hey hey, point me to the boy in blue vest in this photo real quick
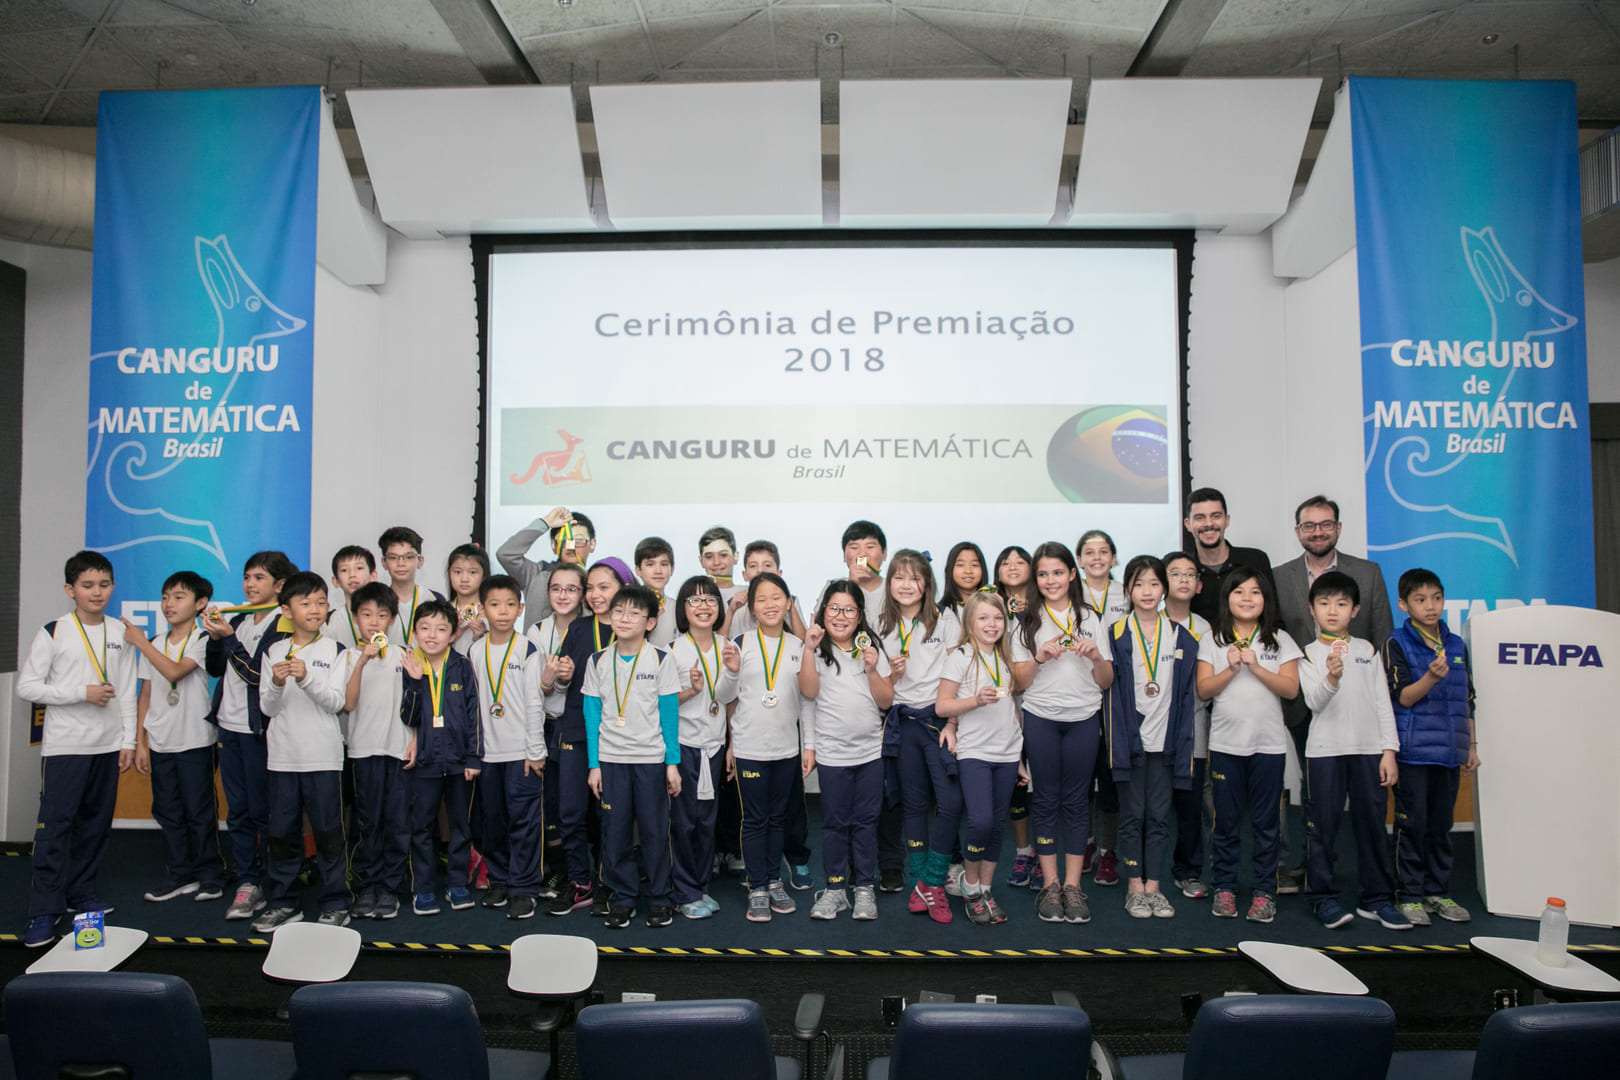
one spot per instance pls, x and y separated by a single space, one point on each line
1431 685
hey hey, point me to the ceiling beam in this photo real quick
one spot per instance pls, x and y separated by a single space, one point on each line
1180 29
487 41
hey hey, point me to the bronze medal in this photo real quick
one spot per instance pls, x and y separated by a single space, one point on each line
1151 689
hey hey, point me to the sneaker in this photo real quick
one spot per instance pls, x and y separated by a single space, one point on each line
1192 888
573 897
917 899
1049 904
249 902
1388 916
425 903
891 880
711 903
1225 905
477 869
333 917
1445 907
618 917
1331 914
460 897
997 915
521 907
829 902
759 906
954 876
1288 882
1019 878
495 896
170 890
1075 909
935 900
799 877
978 912
41 931
1160 904
1262 909
1089 858
210 890
274 918
601 901
553 882
866 903
1137 905
660 916
365 905
1415 914
696 909
781 902
735 864
1107 869
1037 880
387 906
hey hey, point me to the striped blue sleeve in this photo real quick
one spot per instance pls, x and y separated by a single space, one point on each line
593 728
669 722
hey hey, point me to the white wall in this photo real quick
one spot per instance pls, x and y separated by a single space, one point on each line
1603 330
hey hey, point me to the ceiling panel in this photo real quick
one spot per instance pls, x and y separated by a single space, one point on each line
601 56
934 39
107 66
1126 14
46 54
21 16
528 19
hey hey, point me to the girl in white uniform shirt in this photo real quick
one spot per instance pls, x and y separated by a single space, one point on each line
1248 667
1104 596
1014 581
565 592
917 635
982 728
1058 665
844 681
708 664
1181 585
464 575
964 575
764 750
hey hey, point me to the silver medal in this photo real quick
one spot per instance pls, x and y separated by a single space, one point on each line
174 695
714 708
768 699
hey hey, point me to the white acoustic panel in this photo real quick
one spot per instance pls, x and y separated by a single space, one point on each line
466 160
710 155
1191 153
950 152
349 240
1321 225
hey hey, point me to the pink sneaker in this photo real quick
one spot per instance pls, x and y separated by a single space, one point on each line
1107 869
934 901
917 903
1088 859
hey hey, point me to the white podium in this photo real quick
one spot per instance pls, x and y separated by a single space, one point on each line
1547 794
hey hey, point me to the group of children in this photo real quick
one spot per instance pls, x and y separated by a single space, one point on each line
534 716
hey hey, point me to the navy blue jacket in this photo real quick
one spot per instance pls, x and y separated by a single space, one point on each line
227 654
460 743
579 645
1122 738
1435 730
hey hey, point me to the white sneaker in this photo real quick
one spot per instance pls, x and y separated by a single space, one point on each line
829 902
249 902
954 878
865 902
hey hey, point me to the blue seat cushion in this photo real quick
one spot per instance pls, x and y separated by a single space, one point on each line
252 1059
1152 1067
518 1065
1432 1065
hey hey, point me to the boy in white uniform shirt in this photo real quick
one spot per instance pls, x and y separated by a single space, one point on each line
176 741
401 549
300 694
1187 860
352 568
632 742
513 779
86 679
380 746
655 565
1350 752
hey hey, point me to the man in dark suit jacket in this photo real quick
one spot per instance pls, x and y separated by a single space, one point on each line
1206 523
1316 523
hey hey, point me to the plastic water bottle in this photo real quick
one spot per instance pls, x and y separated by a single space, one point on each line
1552 947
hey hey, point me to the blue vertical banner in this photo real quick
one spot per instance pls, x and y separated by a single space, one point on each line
201 337
1473 340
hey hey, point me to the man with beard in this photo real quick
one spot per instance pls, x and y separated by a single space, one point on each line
1206 521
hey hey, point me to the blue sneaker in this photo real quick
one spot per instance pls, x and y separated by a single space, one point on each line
1331 914
1388 916
697 909
460 897
711 903
799 876
425 903
41 931
1019 878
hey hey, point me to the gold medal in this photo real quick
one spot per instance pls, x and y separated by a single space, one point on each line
497 710
714 708
863 641
380 640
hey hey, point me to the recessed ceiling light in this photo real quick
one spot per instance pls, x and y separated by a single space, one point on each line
565 4
1490 39
833 38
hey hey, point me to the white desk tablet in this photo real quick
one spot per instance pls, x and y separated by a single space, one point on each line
552 965
1304 970
1520 955
305 952
119 944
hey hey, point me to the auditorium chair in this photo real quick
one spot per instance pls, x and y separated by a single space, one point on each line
399 1031
1535 1041
934 1041
119 1025
687 1040
1276 1037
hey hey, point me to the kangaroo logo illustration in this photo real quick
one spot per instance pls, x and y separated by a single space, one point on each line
567 467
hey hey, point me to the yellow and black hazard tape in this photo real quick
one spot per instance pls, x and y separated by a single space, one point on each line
642 951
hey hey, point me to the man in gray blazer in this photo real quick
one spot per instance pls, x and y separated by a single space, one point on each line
1316 524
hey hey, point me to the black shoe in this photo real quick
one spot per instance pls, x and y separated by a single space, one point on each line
573 897
601 902
619 917
658 916
494 897
521 907
890 880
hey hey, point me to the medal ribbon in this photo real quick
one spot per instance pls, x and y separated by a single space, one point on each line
354 631
1102 605
905 638
435 682
405 631
770 668
101 664
251 608
1150 657
707 678
1243 642
1066 626
1438 644
173 686
496 685
1189 624
995 676
629 683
